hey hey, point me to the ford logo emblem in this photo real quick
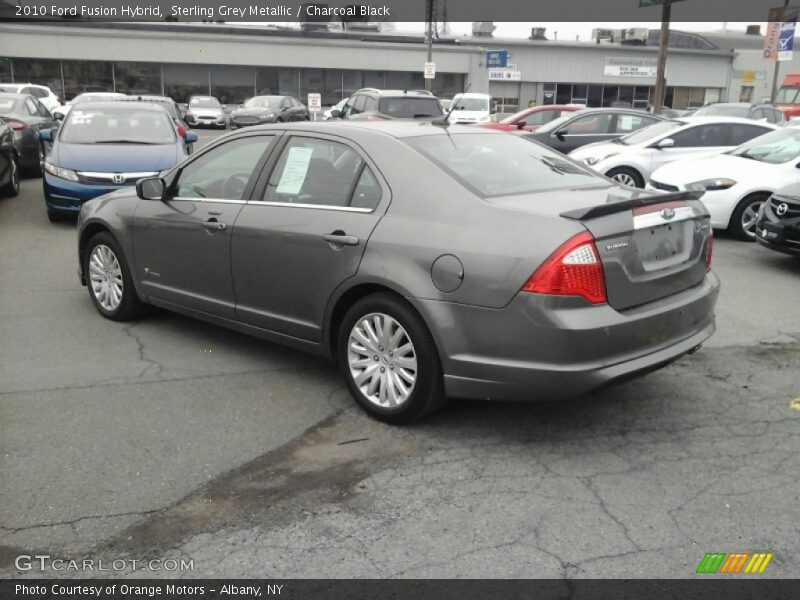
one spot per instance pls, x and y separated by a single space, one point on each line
668 213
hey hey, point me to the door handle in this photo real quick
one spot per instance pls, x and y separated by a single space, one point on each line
339 238
214 225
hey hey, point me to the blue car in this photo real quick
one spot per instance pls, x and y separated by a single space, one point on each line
103 146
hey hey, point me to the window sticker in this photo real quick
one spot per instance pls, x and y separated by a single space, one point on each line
294 171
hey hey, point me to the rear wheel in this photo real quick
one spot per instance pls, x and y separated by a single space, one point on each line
12 187
743 220
109 279
626 176
389 360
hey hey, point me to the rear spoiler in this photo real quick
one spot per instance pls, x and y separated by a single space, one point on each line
619 204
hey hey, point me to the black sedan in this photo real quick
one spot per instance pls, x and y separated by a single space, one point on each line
268 109
26 116
582 127
9 170
778 225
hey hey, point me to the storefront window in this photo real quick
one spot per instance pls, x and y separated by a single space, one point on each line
610 94
396 80
447 85
181 82
137 78
595 98
641 97
232 85
564 93
43 72
625 96
84 76
580 94
549 93
327 82
5 69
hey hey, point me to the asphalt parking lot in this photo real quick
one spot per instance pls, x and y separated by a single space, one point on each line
173 438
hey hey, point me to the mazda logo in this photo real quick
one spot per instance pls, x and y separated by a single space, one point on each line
668 213
782 209
117 178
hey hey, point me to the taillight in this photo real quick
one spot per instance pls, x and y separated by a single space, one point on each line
181 131
16 125
574 269
709 249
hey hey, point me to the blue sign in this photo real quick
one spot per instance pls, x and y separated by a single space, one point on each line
497 59
786 40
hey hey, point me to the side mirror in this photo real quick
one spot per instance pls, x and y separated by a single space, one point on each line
151 188
191 137
46 135
561 133
336 113
58 116
665 143
521 125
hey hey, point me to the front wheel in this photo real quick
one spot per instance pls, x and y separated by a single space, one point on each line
389 360
626 176
109 279
745 215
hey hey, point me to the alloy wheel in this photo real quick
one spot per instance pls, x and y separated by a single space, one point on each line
624 179
750 216
105 274
382 360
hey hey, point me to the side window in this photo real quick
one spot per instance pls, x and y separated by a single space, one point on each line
598 123
222 173
370 104
630 123
739 133
315 171
360 103
38 92
31 108
349 106
42 110
540 117
286 103
758 113
700 136
367 192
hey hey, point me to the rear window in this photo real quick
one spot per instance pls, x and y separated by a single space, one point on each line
722 111
410 108
7 106
503 165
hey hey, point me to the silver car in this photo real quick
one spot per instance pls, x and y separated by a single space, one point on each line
428 260
631 159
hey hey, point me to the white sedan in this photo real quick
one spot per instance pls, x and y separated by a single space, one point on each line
738 182
62 111
631 159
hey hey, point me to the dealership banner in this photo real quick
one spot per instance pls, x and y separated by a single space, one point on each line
377 10
630 67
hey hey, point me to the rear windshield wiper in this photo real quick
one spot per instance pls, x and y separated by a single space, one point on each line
125 142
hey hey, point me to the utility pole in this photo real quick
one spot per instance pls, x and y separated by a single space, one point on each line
777 62
663 44
429 36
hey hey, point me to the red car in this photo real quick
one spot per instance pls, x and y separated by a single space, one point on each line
532 118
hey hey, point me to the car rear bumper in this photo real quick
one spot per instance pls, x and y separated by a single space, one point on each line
65 196
553 348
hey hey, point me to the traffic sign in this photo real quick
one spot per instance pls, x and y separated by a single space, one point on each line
496 59
430 70
315 102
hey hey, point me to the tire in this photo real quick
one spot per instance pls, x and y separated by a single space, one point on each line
101 252
744 214
626 176
421 378
11 188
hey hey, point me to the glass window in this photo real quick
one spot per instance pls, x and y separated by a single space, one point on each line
412 107
223 172
697 97
610 94
786 95
629 123
86 124
81 76
203 102
367 192
702 135
352 81
564 93
595 98
549 93
39 71
775 147
31 108
183 81
503 165
396 80
314 171
447 84
5 69
625 96
739 133
723 110
641 97
232 84
41 110
648 133
370 104
137 78
591 124
36 92
580 94
326 82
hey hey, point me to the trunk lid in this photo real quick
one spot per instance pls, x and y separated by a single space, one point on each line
651 245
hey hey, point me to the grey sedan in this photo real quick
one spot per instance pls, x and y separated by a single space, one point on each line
428 261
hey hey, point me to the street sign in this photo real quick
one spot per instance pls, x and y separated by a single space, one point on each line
504 75
430 70
314 102
496 59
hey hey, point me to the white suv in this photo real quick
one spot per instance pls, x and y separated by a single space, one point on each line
41 92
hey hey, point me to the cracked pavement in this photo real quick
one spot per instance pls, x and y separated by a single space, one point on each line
168 437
